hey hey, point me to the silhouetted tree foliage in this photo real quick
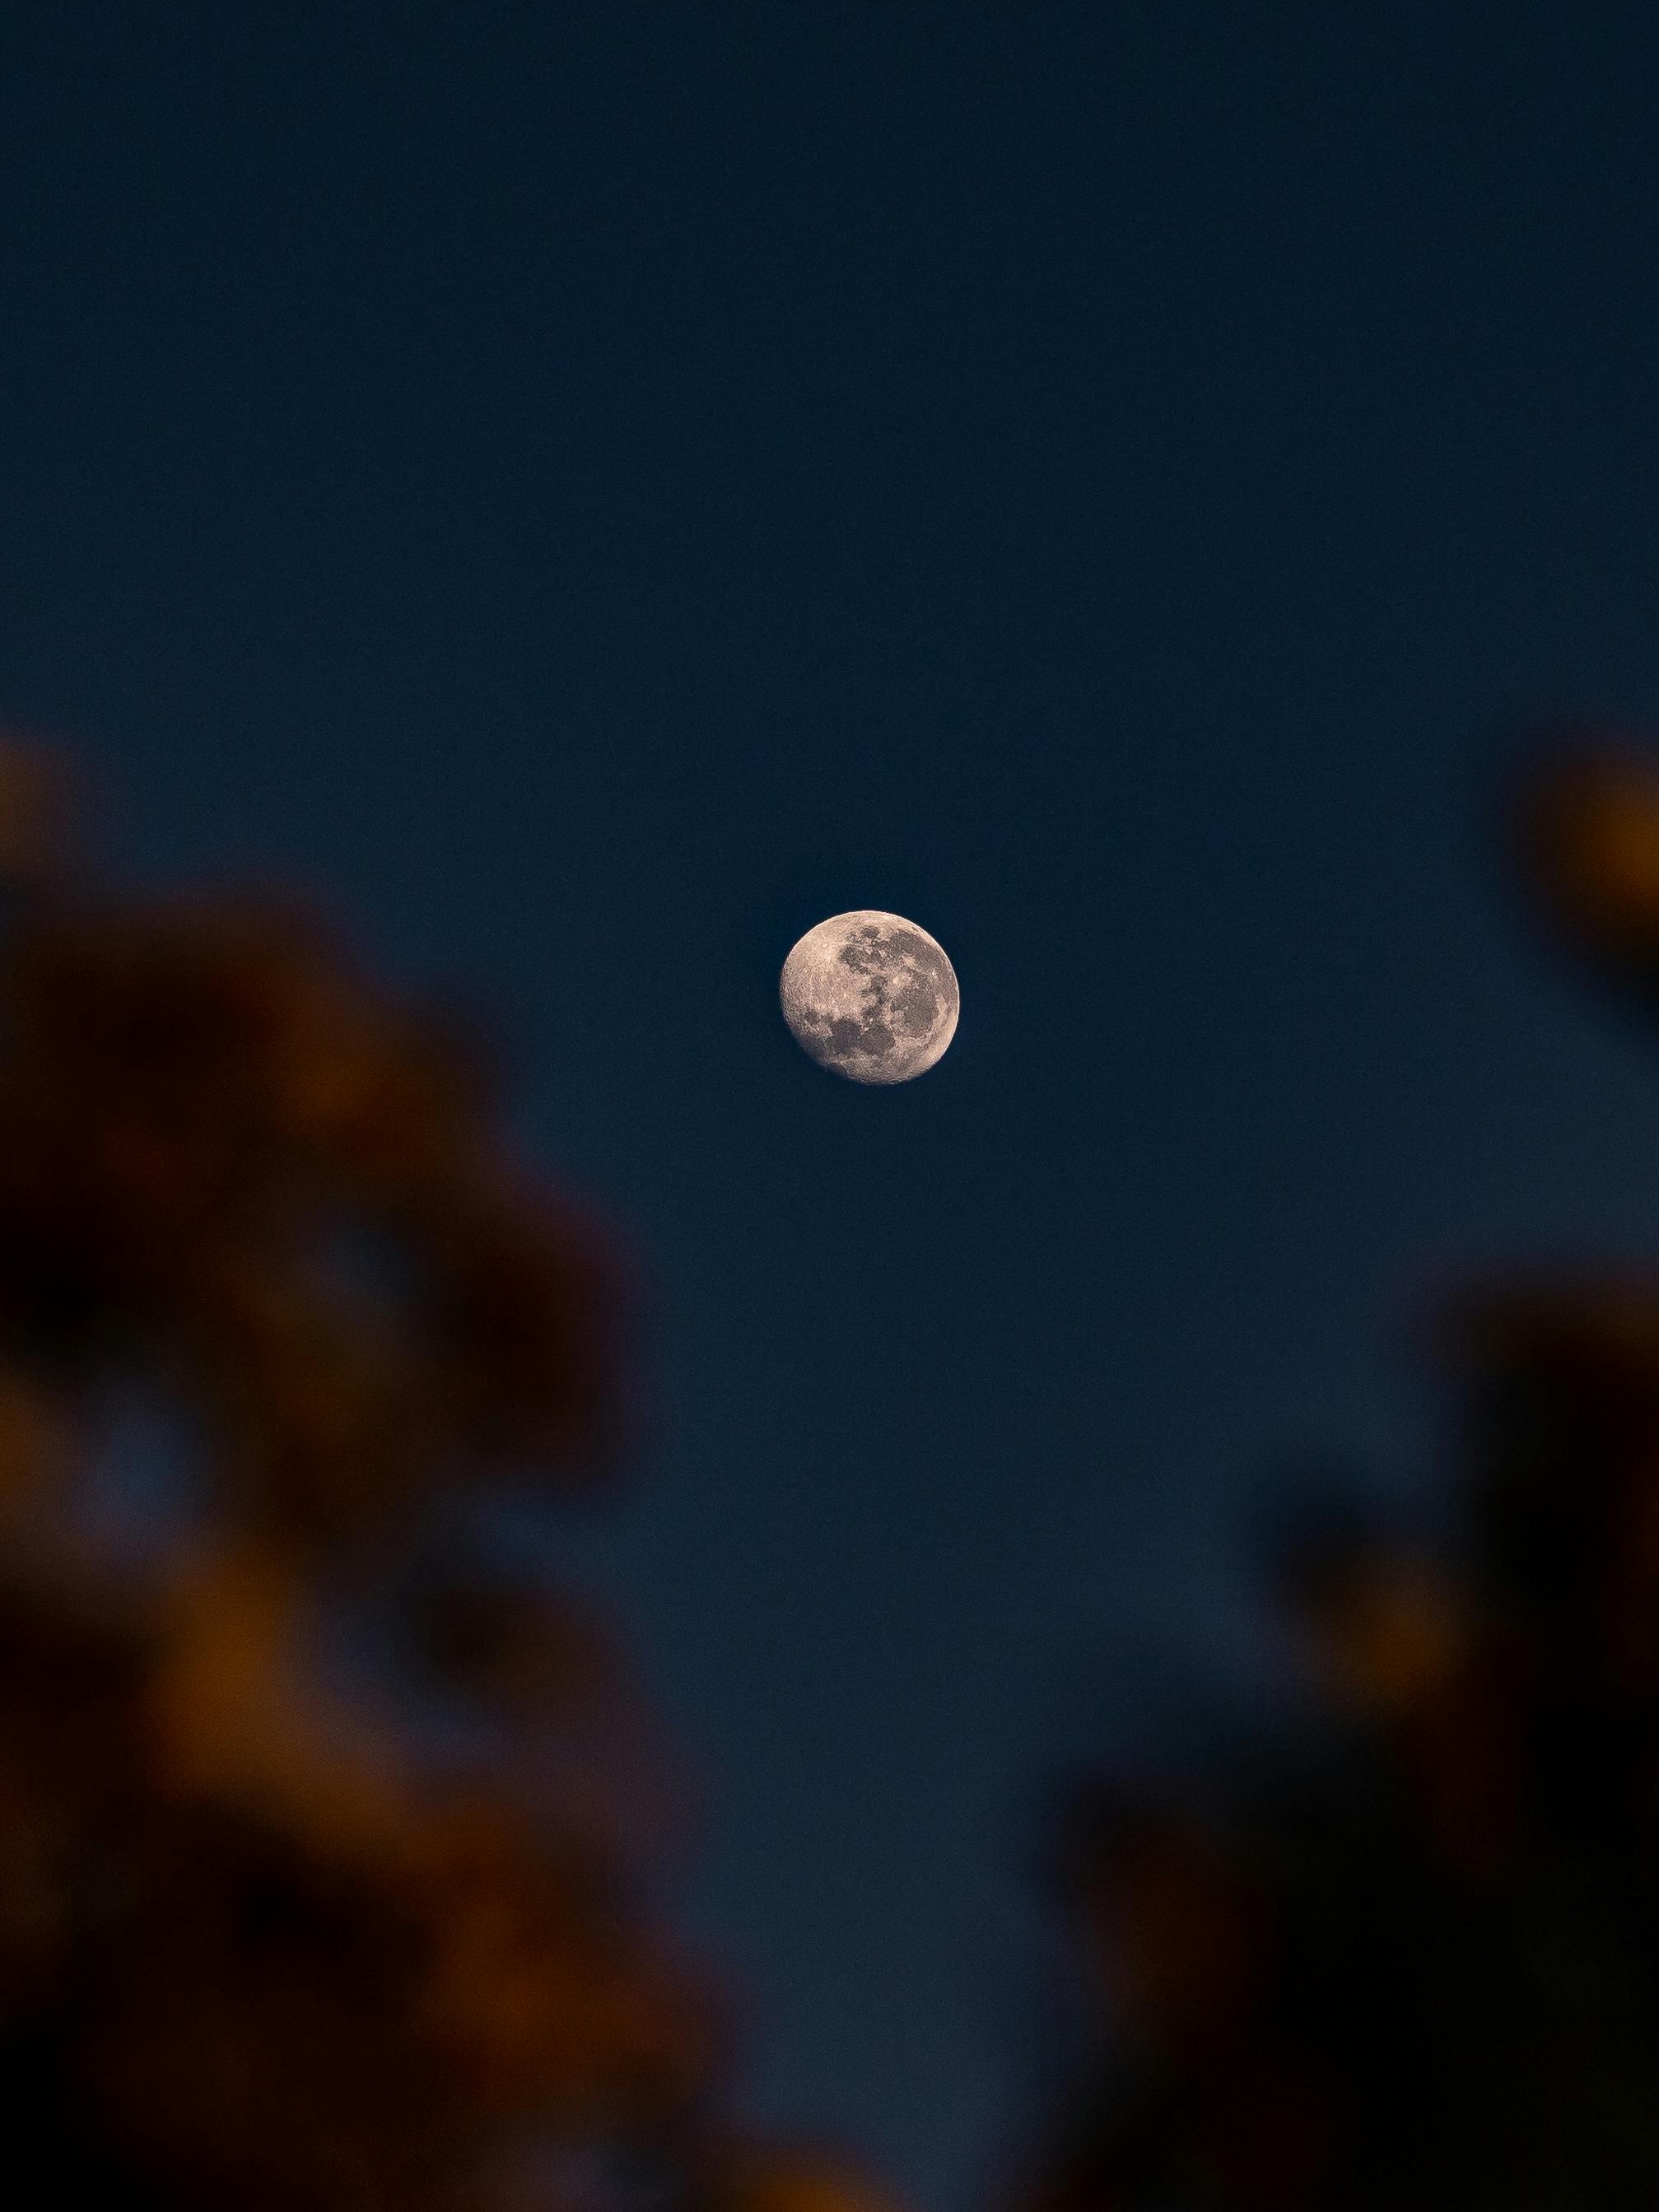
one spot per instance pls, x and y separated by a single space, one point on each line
1419 1966
326 1843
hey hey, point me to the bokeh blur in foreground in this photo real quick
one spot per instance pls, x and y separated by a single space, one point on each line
1415 1963
331 1837
327 1834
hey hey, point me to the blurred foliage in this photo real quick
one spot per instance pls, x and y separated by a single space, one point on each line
332 1835
327 1847
1417 1964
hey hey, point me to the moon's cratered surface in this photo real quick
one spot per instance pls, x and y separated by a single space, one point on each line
869 995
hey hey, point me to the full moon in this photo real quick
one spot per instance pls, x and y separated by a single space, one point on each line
869 995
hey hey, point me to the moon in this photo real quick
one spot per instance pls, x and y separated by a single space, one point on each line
869 995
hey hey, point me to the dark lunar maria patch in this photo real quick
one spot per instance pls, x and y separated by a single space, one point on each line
915 1007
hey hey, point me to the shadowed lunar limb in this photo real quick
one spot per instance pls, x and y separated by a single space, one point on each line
869 995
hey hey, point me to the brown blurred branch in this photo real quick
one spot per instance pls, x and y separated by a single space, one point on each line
255 1948
1420 1967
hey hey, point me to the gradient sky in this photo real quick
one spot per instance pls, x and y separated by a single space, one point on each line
604 485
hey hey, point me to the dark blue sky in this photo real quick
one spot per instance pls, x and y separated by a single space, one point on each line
604 485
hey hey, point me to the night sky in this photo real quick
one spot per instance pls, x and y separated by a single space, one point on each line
598 487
